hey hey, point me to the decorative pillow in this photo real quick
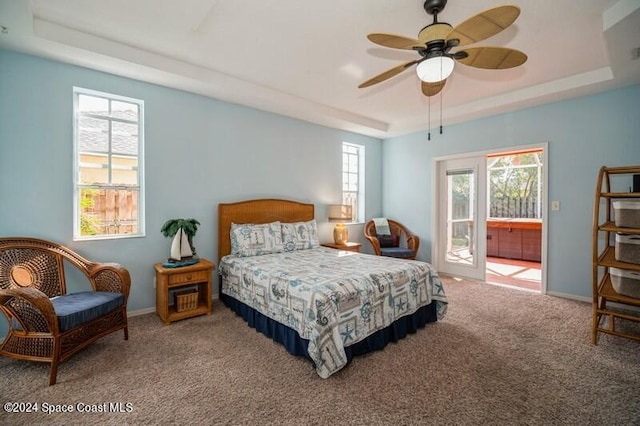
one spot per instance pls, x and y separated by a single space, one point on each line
386 241
255 240
300 235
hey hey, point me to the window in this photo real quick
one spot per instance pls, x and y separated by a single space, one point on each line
353 179
108 165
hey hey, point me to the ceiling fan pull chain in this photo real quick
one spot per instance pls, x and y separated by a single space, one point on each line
441 101
429 118
440 112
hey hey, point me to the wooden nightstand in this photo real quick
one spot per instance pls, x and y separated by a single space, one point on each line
196 276
355 247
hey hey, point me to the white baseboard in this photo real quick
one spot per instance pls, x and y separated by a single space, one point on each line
145 311
589 300
569 296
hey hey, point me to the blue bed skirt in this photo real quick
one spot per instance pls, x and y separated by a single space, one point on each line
295 345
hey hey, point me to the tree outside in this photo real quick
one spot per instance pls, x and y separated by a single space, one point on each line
515 185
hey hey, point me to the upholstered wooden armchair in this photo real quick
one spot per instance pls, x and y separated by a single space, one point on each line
401 243
45 323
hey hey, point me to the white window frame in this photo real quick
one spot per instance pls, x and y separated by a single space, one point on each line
359 212
77 186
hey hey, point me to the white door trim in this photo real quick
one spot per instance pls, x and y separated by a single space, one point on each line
544 146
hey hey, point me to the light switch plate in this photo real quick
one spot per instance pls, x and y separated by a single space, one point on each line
555 205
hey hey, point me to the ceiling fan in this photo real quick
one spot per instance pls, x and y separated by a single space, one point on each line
436 40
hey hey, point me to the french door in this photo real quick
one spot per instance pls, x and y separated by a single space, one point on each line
461 217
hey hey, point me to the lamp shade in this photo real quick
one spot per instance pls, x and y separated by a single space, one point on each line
435 69
340 213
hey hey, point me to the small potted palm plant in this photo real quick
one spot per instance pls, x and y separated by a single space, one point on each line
182 231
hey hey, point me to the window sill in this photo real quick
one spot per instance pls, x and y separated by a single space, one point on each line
108 237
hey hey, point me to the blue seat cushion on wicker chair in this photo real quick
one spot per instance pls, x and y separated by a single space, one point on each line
400 252
78 308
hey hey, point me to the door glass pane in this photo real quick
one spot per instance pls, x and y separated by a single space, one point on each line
460 216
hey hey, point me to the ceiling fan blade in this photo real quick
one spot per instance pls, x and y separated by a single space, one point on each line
493 58
435 31
395 41
484 24
431 89
386 75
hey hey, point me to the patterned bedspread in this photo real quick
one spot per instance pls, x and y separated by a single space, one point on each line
330 297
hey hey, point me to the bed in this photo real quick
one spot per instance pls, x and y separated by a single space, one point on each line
324 304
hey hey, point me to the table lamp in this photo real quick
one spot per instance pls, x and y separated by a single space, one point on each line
340 213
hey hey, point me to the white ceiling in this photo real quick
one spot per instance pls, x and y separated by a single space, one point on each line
305 59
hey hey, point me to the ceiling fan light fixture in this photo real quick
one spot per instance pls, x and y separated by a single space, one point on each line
435 69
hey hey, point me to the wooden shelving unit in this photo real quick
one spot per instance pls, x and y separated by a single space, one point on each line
624 307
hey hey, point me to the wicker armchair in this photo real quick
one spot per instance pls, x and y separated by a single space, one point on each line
45 323
403 243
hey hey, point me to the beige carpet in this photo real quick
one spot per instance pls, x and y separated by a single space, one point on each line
501 356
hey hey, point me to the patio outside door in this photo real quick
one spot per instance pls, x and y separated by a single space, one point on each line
462 217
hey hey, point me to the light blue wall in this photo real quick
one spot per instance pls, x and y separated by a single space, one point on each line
583 134
198 152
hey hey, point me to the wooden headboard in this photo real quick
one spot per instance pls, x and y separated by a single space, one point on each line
258 211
